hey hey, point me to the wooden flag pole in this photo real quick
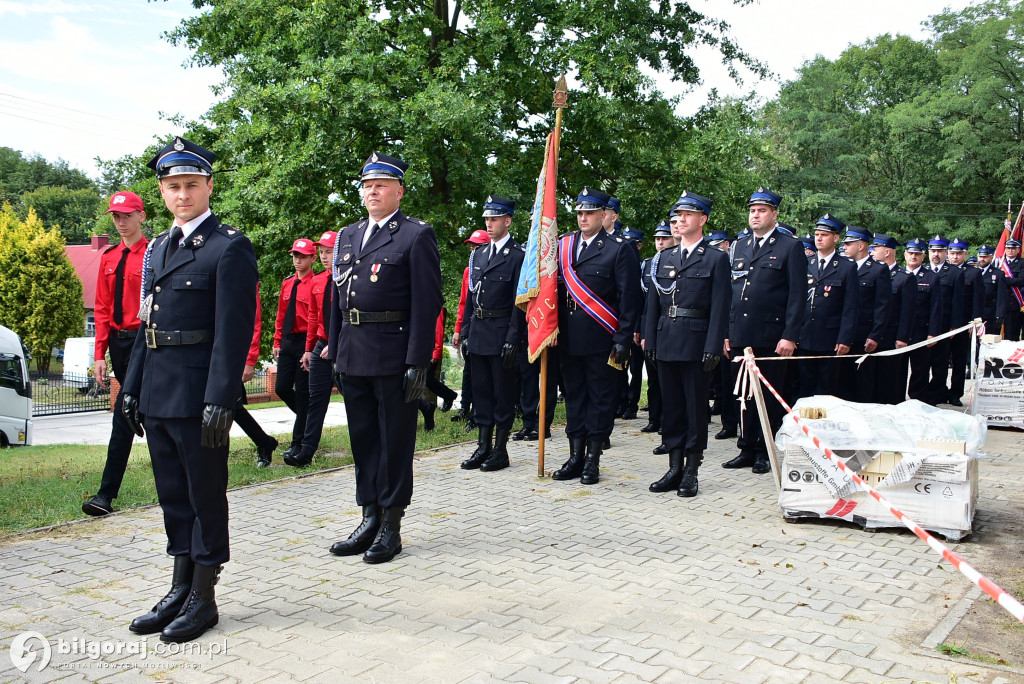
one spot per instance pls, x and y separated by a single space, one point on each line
561 99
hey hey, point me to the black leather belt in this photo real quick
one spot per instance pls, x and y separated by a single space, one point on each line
679 312
125 334
174 338
492 313
357 317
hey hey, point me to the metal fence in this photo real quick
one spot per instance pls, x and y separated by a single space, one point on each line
54 393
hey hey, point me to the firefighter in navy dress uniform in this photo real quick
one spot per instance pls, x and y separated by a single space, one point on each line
686 320
597 309
974 307
927 316
874 285
951 284
993 281
1013 316
198 313
891 371
769 286
493 331
662 240
387 274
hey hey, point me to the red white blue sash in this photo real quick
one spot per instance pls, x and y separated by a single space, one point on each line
583 296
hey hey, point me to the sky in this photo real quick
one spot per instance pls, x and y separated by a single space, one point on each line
81 79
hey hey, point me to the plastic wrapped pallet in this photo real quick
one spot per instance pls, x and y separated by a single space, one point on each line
922 459
999 385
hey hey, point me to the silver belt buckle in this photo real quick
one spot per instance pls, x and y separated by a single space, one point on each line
353 316
673 311
151 338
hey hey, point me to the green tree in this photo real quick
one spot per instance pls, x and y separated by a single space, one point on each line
40 293
19 175
74 212
461 91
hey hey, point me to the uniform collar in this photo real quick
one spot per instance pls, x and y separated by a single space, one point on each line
861 262
384 221
501 243
190 227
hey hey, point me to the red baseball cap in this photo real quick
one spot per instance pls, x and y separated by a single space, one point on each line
479 237
303 246
125 202
327 239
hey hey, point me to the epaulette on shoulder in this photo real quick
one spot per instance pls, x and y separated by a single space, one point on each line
230 231
418 222
111 248
522 247
618 239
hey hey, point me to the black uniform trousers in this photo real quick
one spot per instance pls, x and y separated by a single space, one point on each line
590 395
249 426
684 387
938 366
529 393
293 382
467 384
857 383
493 391
960 353
752 437
191 484
434 383
920 366
1012 321
321 382
382 430
119 448
632 379
818 376
729 401
891 377
655 406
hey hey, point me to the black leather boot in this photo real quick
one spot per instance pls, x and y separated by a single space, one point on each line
761 465
688 485
744 460
652 426
498 459
483 448
200 610
670 480
572 468
169 606
362 536
592 463
388 543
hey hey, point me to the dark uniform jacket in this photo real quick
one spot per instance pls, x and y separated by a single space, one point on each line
1016 280
899 320
768 292
927 309
398 271
208 289
875 289
951 281
974 293
609 268
692 320
830 314
645 288
498 280
993 282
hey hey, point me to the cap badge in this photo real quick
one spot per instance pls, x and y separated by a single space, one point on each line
179 144
684 194
373 157
760 188
489 200
584 193
826 217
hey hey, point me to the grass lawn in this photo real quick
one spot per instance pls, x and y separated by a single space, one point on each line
46 485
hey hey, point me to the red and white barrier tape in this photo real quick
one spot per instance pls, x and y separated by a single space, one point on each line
985 584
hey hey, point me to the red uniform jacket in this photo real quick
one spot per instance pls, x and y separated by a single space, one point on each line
301 306
105 280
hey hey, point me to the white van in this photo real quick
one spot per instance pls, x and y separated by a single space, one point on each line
78 360
15 392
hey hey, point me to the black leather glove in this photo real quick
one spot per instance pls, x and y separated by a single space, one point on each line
464 348
130 411
709 361
651 355
619 355
414 383
216 426
509 355
338 377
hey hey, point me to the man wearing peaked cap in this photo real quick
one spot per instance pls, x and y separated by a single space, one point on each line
476 239
951 283
662 240
686 320
769 287
1014 317
382 341
830 314
118 283
597 310
314 359
891 371
292 325
873 293
198 314
927 316
493 330
997 297
974 307
612 209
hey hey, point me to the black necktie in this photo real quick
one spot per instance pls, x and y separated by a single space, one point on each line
821 267
583 250
289 315
173 240
370 233
119 287
757 246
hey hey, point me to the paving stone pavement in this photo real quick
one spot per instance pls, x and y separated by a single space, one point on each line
508 577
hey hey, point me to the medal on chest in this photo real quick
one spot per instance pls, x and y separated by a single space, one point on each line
373 273
827 288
